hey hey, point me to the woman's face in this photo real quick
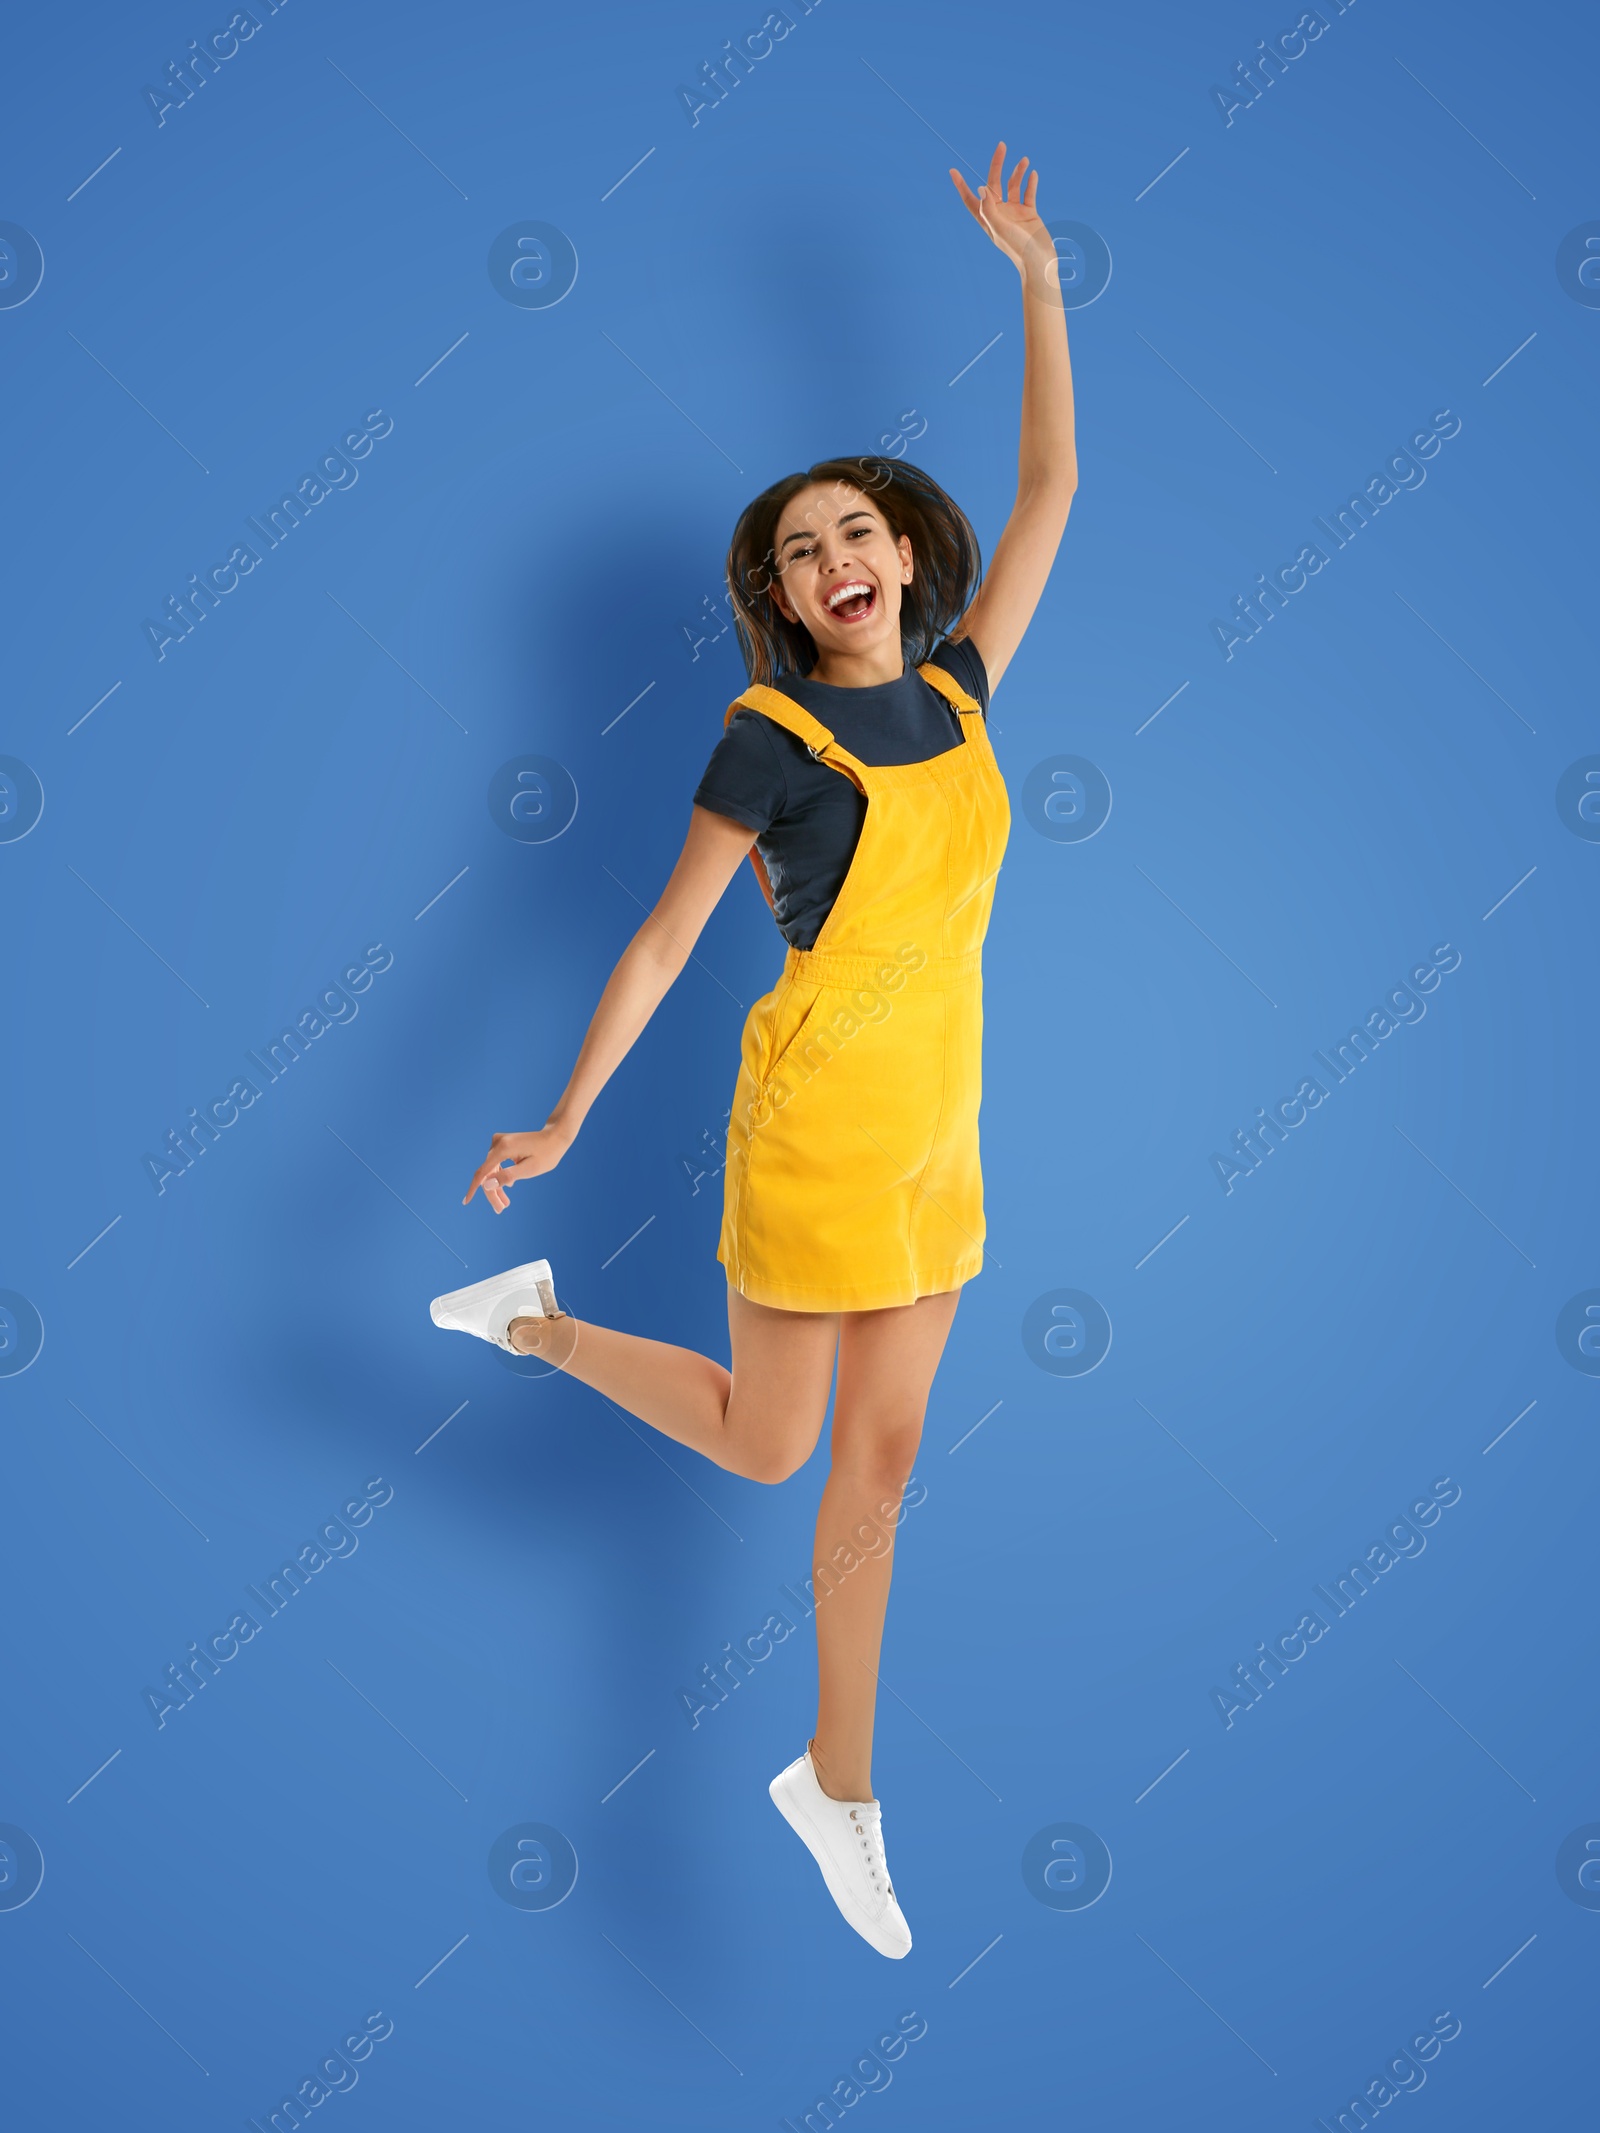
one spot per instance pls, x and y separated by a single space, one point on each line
839 570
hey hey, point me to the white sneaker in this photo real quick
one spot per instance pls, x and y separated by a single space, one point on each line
845 1837
488 1307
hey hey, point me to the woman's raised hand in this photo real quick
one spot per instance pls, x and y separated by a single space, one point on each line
513 1157
1007 211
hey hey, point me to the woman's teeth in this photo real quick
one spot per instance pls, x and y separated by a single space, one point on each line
851 602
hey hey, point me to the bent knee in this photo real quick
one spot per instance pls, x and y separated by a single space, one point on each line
772 1437
773 1463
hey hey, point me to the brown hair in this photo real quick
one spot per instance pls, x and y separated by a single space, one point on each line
948 565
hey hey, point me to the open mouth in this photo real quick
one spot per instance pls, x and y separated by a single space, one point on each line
853 602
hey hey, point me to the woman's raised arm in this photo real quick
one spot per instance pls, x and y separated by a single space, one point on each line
1047 459
645 970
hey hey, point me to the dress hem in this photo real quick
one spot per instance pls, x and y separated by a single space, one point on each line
791 1296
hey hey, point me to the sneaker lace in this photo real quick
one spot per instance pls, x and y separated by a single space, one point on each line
867 1822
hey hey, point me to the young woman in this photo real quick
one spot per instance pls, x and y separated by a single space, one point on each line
853 1197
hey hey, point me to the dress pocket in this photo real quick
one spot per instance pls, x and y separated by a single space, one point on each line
795 1018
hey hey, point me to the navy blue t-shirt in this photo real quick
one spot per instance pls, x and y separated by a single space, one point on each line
808 816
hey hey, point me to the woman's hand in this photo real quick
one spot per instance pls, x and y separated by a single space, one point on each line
513 1157
1008 213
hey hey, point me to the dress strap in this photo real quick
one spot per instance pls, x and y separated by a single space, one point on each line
784 711
796 719
951 690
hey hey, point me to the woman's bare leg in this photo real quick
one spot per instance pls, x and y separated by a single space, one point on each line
762 1420
887 1361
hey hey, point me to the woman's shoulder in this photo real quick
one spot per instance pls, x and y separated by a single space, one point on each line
748 772
960 658
753 732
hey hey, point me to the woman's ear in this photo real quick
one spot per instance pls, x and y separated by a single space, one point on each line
780 599
906 566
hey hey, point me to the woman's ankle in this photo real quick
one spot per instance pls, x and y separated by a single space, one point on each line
833 1781
554 1338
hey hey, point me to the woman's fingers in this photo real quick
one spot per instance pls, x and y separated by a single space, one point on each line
494 1188
997 191
513 1158
506 1176
969 198
486 1173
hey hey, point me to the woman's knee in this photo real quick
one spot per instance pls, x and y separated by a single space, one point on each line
880 1458
773 1436
774 1462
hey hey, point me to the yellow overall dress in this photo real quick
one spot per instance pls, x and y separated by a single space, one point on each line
853 1180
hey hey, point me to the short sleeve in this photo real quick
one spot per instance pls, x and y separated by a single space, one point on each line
963 662
744 778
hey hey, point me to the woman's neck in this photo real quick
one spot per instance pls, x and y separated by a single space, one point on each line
862 670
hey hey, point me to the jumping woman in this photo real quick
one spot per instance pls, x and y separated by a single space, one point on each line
856 773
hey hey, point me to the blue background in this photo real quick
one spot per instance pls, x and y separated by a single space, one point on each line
307 775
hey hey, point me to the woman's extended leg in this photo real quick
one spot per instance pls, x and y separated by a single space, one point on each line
761 1421
887 1360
